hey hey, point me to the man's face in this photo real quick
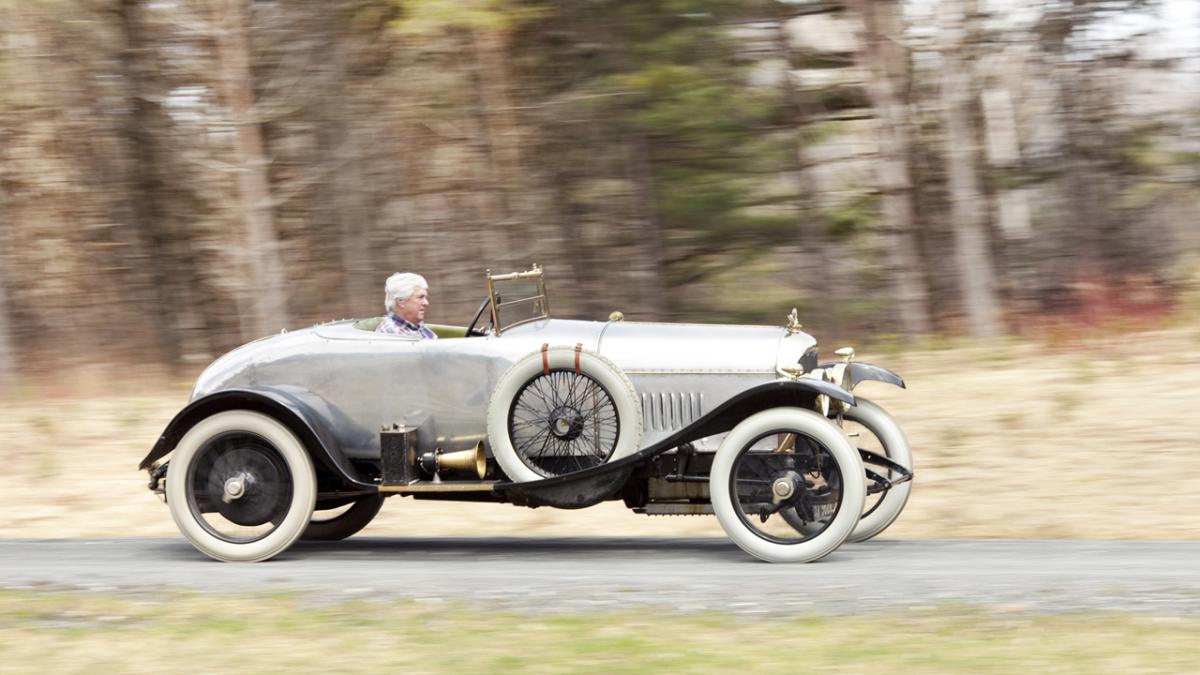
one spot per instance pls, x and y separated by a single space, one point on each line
413 309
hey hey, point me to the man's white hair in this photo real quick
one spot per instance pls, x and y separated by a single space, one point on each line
400 286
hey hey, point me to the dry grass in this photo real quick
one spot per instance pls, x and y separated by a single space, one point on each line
1090 440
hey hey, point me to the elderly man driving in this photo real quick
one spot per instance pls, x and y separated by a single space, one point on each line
407 298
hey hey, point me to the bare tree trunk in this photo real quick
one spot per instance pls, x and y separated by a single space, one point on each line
343 192
352 221
972 252
501 137
144 188
8 358
885 60
584 275
1013 213
495 81
1083 198
8 362
267 300
1081 180
812 235
647 273
1004 154
44 194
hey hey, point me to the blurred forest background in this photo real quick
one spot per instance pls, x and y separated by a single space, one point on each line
180 176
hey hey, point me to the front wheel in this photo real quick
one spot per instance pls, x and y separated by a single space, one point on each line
871 428
889 441
241 486
784 459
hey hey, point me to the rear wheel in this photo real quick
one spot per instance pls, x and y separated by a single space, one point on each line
241 486
787 459
344 521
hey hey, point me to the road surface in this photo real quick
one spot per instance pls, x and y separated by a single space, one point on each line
690 575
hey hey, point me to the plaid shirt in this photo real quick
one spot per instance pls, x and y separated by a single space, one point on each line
398 326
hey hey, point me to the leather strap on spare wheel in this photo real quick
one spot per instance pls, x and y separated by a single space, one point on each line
578 349
545 358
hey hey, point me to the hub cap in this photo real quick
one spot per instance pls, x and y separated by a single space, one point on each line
568 423
804 482
239 487
234 488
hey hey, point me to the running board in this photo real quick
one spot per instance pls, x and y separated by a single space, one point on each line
442 486
669 509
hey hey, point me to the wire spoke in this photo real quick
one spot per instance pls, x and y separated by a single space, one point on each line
586 412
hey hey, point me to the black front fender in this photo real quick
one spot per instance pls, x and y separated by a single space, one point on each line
798 393
860 372
286 407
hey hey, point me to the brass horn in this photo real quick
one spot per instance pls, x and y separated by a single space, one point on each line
474 460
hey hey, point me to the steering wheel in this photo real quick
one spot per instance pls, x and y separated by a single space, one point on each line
471 329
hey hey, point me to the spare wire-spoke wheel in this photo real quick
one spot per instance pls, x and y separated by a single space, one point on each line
559 411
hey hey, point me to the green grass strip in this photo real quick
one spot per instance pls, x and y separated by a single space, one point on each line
193 633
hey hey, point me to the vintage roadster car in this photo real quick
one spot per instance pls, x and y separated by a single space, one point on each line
303 434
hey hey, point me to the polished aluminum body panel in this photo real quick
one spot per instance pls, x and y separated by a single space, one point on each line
354 381
690 348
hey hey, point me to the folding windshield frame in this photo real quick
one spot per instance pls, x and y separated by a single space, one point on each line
537 300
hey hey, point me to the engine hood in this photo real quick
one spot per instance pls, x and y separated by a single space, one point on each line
701 348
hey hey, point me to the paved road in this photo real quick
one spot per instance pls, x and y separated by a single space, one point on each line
570 574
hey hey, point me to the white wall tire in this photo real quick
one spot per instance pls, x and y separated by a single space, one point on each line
241 486
587 417
879 516
886 438
840 480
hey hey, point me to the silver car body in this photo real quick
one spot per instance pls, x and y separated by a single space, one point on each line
338 415
354 381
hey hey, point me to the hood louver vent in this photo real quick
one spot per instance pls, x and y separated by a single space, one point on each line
668 411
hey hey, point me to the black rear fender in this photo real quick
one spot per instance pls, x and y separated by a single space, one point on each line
285 407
